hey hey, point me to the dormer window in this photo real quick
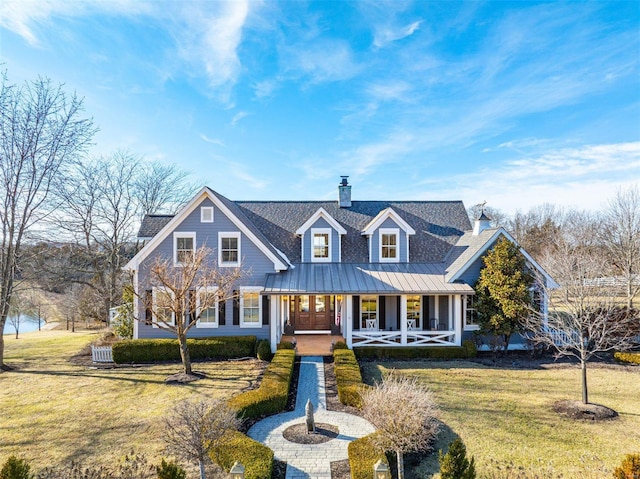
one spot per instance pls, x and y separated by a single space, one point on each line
321 246
389 245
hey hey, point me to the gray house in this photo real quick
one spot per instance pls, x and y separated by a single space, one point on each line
390 273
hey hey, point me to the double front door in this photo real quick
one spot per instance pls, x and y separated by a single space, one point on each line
311 313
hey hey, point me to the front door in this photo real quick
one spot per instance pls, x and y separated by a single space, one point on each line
310 313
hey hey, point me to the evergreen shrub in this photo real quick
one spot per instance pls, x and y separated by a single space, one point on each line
633 358
157 350
254 456
263 350
630 467
170 470
363 455
454 464
467 350
271 396
15 468
348 377
286 345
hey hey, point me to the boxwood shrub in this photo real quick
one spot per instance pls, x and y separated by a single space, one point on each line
254 456
263 350
156 350
467 350
286 345
633 358
348 377
363 455
271 396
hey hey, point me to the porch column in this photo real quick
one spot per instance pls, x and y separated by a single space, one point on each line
403 320
458 319
348 320
274 322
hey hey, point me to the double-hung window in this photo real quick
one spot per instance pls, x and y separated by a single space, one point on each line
207 308
229 248
184 247
250 308
369 312
470 313
389 252
163 310
321 246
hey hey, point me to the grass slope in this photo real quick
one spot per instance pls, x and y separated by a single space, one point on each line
505 418
54 411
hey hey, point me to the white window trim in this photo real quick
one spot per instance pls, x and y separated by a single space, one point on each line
204 211
389 231
250 289
327 231
215 307
377 298
182 234
155 321
229 234
468 327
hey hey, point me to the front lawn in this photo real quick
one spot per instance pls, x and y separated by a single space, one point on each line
505 418
54 411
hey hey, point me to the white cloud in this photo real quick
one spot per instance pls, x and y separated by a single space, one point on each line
322 61
213 141
390 33
238 116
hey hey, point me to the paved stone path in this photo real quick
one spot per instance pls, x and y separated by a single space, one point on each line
312 461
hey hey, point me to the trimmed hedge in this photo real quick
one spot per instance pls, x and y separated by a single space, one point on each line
263 350
633 358
254 456
348 377
271 396
340 345
467 350
363 455
286 345
156 350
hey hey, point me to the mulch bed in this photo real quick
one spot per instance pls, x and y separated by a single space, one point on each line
298 433
586 412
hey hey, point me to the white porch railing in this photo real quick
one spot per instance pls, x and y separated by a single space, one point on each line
394 338
102 354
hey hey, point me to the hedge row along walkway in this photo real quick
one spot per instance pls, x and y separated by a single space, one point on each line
311 461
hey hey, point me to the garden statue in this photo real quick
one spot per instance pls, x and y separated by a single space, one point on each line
311 427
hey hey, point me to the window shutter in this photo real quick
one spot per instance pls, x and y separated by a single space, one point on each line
221 313
265 310
236 307
382 314
148 311
192 306
356 313
398 312
424 314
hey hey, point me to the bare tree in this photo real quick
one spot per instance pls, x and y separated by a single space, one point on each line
584 317
620 236
41 133
21 306
162 188
194 429
404 413
183 293
498 217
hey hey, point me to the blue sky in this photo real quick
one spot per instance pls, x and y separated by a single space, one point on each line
515 103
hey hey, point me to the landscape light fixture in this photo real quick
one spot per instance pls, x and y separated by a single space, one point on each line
237 471
380 470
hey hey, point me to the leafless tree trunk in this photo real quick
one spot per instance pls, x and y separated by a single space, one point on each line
41 132
404 413
182 293
584 318
621 237
194 429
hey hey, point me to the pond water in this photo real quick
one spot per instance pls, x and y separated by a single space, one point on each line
27 325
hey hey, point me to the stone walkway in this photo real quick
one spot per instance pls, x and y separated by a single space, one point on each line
311 461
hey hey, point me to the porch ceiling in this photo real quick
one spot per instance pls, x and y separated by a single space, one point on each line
363 278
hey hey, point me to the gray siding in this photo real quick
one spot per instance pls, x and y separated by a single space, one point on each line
307 243
375 241
253 261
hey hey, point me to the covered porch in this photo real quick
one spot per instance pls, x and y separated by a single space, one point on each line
391 305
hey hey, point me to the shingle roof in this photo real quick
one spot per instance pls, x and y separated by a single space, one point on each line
465 249
152 224
438 225
371 278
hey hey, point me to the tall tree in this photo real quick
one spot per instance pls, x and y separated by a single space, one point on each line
182 294
503 291
584 315
162 188
620 236
41 133
404 414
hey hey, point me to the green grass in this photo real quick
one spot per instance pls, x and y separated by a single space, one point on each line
54 411
505 417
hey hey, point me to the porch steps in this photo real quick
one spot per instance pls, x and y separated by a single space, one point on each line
313 344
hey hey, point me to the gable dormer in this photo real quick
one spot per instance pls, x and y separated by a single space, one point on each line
321 238
388 236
